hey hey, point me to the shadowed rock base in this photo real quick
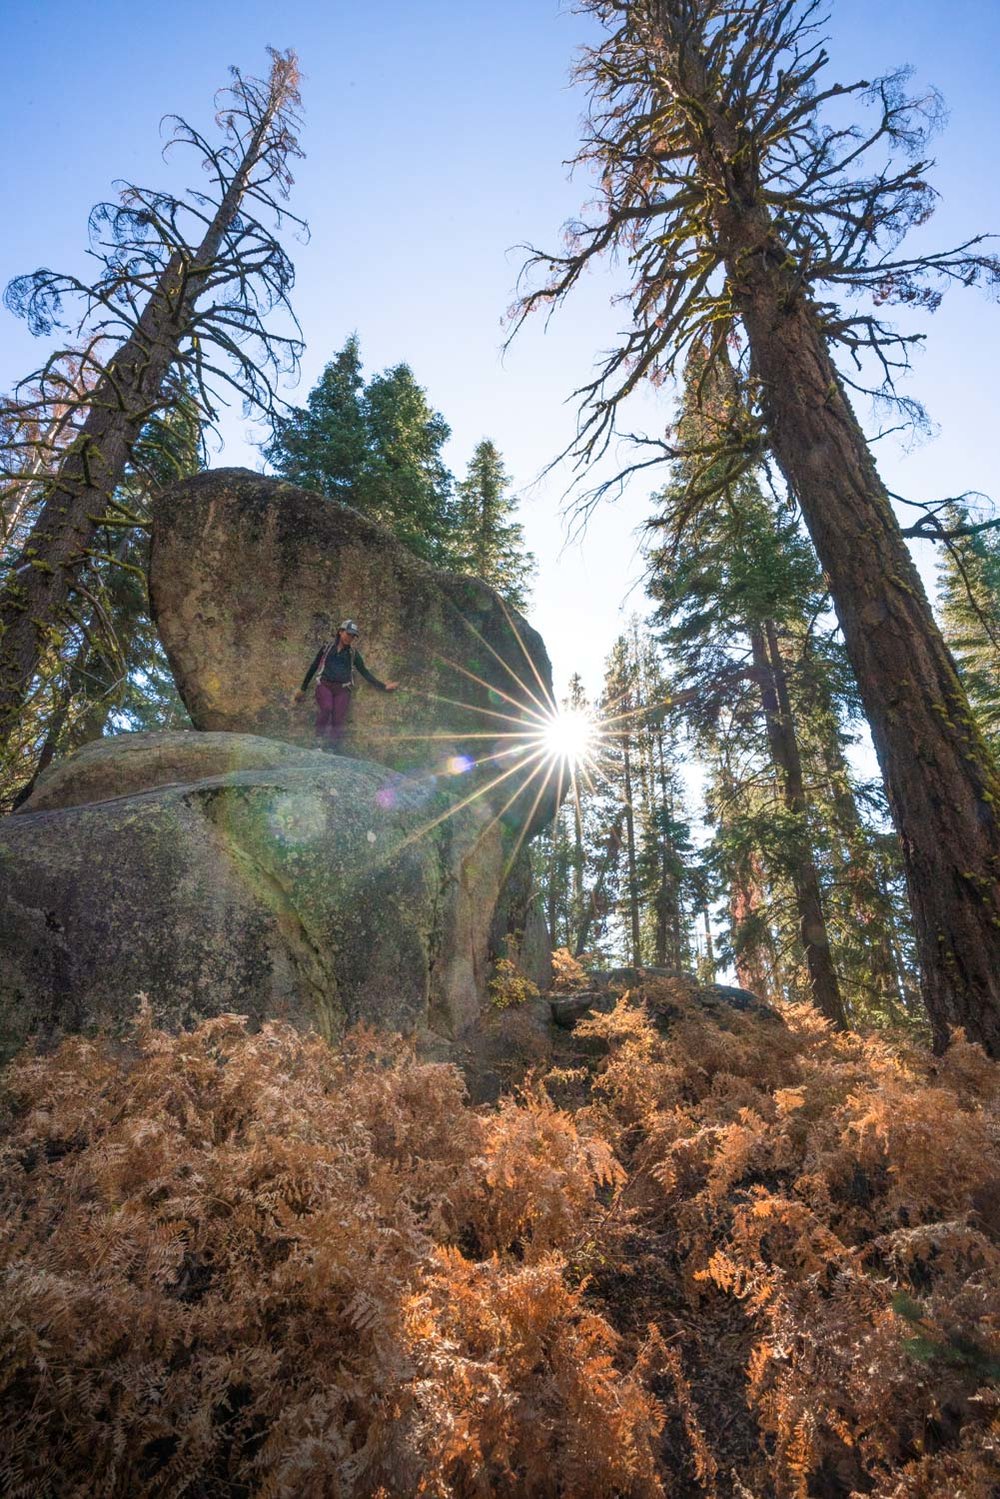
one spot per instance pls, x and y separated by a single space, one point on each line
319 889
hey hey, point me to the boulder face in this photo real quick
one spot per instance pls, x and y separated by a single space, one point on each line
250 575
226 873
519 930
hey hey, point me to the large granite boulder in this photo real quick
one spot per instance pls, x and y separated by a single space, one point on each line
220 872
249 575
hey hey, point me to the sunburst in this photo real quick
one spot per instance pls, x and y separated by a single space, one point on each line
533 751
571 736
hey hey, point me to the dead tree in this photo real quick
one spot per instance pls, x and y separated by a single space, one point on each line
181 306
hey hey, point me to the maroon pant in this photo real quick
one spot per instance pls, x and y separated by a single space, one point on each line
333 709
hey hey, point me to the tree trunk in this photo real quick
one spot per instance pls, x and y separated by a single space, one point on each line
597 903
709 948
552 904
942 782
53 730
942 786
667 896
784 748
579 857
631 872
754 966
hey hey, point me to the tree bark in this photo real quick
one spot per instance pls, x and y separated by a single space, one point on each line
668 913
787 762
942 787
552 912
754 966
942 783
709 947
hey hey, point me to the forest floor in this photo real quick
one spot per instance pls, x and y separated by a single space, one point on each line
697 1254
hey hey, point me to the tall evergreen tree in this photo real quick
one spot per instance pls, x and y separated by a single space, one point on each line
621 701
375 446
638 865
668 874
324 445
737 200
406 483
492 544
726 582
730 579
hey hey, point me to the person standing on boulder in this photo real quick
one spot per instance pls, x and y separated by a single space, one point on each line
336 663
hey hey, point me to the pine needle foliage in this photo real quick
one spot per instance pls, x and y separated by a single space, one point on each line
969 600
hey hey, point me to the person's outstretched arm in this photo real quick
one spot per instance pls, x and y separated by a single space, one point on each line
368 676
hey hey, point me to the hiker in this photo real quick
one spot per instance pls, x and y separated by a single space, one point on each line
336 664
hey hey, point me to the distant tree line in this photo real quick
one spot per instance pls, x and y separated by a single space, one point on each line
378 446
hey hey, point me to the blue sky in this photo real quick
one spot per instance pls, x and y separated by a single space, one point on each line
436 137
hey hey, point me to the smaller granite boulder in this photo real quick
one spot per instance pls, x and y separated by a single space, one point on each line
667 996
125 763
292 885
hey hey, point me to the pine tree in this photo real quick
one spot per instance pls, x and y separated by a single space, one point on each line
324 446
620 702
969 602
668 873
640 877
727 580
741 205
491 543
377 447
406 483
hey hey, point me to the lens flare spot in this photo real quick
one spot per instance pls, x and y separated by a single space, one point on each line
570 736
459 765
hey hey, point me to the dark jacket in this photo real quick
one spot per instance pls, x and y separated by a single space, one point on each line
339 667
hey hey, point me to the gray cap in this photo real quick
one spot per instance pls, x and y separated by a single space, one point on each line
349 627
